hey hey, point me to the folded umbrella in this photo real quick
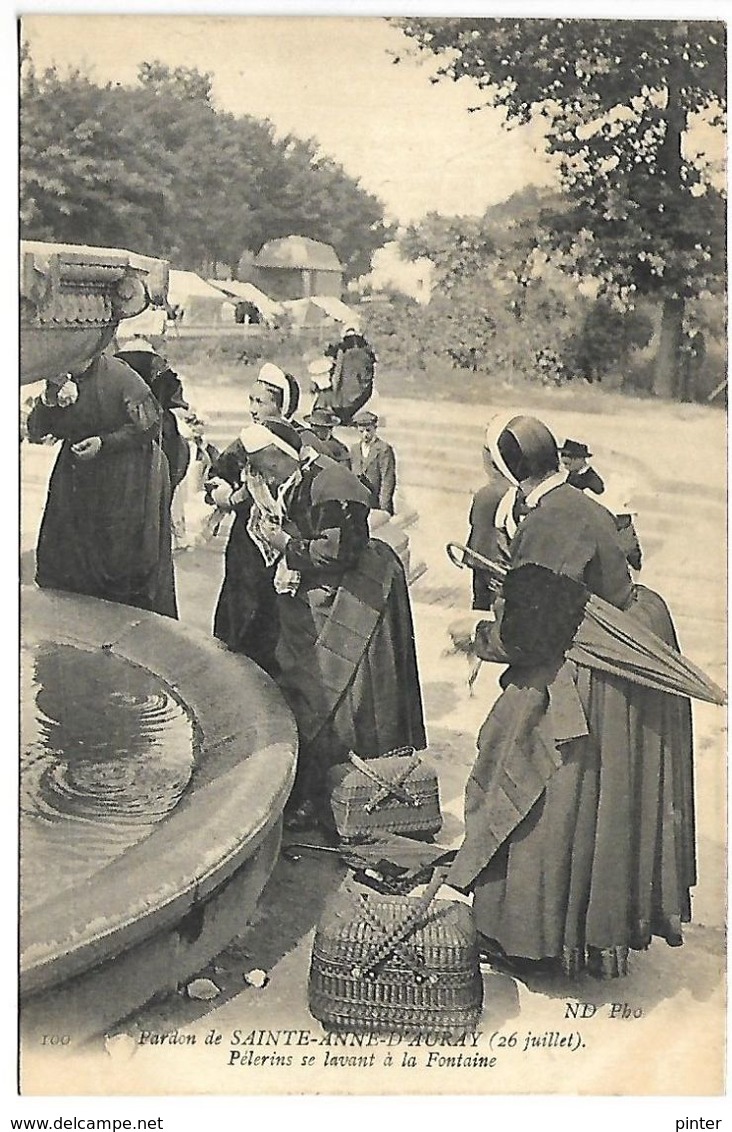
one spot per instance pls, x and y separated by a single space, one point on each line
389 863
607 639
611 641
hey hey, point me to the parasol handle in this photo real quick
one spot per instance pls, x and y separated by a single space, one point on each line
453 548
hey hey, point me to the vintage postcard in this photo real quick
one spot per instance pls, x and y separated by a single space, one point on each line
373 387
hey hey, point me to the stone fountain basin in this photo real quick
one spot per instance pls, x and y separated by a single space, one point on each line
156 914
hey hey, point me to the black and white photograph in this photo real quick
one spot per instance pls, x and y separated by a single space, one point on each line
372 536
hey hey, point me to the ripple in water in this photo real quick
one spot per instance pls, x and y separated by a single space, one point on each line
106 752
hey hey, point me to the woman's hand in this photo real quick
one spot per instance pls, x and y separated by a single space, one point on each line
220 493
240 495
463 630
68 394
87 448
273 533
378 517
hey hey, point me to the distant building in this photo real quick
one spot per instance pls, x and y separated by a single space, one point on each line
296 267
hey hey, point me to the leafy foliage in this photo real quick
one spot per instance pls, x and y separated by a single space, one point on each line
618 99
158 168
496 302
605 340
501 306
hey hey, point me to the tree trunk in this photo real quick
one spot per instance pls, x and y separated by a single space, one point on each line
666 378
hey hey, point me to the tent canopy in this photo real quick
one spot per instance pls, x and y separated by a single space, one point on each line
320 310
337 310
199 301
304 313
298 252
247 292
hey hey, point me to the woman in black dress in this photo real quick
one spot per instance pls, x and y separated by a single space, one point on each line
579 811
106 525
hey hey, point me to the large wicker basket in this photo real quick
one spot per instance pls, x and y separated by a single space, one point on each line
392 794
396 964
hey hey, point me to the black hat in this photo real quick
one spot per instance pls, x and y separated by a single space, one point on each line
527 448
322 417
574 449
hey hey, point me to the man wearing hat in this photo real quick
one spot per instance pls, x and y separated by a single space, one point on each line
322 422
374 462
574 456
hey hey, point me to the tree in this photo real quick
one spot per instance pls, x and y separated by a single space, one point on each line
619 99
184 82
497 302
82 178
156 167
605 340
457 246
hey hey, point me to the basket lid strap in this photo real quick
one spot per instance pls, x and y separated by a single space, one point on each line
392 787
404 928
381 795
399 751
414 961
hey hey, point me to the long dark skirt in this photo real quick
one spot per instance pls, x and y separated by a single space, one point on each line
604 858
106 528
246 616
348 668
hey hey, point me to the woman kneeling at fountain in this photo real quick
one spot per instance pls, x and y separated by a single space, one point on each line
106 526
346 654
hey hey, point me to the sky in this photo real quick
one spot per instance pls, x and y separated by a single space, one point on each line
411 142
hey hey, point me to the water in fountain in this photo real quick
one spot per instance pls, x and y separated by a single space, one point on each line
107 750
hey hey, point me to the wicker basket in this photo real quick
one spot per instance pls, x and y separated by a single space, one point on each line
396 964
391 794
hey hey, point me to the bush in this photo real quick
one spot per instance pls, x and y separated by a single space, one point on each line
605 340
236 356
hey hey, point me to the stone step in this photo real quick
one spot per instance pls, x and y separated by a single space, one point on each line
657 514
655 522
452 455
461 442
460 437
666 502
396 424
696 490
401 427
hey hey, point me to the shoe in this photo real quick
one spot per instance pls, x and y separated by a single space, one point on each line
490 950
491 954
304 817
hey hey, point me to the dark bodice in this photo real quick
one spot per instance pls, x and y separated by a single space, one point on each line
571 534
327 521
114 403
